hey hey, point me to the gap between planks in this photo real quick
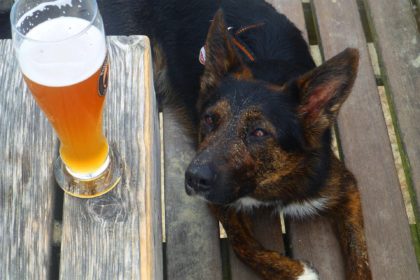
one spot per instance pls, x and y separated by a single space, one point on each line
162 177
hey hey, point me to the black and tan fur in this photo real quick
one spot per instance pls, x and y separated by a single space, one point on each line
263 126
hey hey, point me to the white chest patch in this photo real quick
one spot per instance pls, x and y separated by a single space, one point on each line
295 210
306 208
248 203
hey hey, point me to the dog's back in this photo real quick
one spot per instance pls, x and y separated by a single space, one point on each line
179 28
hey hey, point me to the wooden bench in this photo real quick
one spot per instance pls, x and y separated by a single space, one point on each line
193 247
139 232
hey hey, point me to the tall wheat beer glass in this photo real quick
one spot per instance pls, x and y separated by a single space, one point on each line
60 46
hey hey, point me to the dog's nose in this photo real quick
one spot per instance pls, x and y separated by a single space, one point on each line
199 178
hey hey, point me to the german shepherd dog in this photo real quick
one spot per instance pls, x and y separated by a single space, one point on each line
263 115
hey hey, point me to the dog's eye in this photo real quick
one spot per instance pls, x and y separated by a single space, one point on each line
208 124
209 120
259 132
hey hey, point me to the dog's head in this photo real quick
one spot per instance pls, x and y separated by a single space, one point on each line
256 138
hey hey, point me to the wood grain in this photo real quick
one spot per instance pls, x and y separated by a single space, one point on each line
192 233
315 241
397 40
26 178
366 147
267 230
118 235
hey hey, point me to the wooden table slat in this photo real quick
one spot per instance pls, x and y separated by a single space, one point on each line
118 235
26 179
397 39
192 234
366 148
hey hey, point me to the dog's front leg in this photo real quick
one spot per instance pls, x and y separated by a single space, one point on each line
348 221
269 264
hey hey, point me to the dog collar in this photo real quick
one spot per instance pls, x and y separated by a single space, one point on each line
237 41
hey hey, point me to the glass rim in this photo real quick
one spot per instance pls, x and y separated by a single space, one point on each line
24 37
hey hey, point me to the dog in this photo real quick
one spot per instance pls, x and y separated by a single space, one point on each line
262 112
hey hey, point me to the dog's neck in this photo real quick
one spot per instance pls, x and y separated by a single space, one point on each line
324 177
329 197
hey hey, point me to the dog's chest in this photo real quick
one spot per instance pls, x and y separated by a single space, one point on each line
307 208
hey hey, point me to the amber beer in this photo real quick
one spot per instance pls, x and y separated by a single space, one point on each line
68 81
75 112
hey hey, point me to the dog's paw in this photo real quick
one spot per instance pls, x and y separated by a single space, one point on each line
309 273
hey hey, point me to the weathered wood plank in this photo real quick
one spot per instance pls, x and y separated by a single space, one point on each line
267 230
315 241
26 178
118 235
367 150
397 39
192 234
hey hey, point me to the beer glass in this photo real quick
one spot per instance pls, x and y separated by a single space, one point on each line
61 50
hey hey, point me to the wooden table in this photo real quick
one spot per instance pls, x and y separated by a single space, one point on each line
115 236
125 235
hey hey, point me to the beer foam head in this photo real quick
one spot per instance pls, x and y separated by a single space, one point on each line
43 7
62 51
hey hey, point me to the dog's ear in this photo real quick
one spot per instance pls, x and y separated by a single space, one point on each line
323 90
221 56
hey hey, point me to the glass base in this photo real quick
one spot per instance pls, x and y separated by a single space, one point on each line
90 185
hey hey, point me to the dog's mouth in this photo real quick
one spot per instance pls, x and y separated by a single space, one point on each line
209 195
214 195
207 180
189 190
193 192
205 195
